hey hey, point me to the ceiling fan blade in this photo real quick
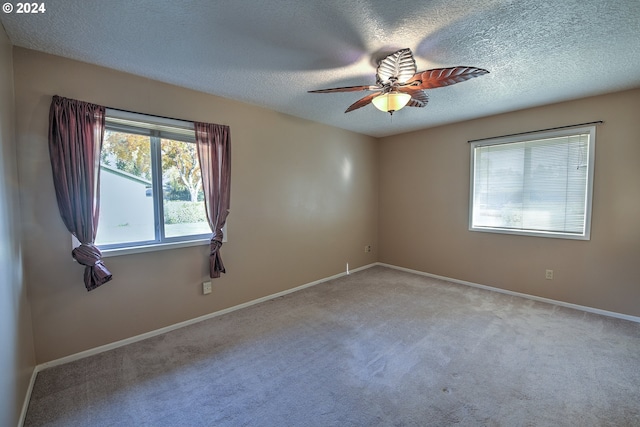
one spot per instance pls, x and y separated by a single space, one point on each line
346 89
399 66
419 97
361 102
439 77
415 103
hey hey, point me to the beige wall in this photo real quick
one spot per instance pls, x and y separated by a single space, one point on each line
303 204
17 359
424 207
305 200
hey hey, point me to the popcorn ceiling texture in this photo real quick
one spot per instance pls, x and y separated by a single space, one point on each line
271 52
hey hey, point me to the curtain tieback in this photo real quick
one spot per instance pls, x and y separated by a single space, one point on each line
87 254
216 243
95 272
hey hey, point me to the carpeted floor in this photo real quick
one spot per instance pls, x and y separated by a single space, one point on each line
379 347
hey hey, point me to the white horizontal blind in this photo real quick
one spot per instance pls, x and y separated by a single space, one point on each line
538 186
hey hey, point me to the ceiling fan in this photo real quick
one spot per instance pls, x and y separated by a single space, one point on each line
398 84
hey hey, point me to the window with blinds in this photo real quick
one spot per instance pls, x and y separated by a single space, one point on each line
536 184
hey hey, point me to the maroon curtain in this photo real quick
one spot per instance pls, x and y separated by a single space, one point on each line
214 154
76 130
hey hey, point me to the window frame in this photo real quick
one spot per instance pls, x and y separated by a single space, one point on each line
534 136
157 128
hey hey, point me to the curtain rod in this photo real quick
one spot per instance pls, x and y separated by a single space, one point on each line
599 122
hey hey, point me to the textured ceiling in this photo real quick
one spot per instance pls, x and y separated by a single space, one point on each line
271 52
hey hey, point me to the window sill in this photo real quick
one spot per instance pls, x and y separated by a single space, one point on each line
106 253
554 235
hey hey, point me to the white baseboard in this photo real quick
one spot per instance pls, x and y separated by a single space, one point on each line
27 397
179 325
518 294
169 328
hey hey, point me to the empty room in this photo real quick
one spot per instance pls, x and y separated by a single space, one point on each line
320 213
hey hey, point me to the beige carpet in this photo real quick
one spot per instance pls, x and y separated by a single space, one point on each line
379 347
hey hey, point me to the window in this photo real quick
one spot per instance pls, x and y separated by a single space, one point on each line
538 184
150 184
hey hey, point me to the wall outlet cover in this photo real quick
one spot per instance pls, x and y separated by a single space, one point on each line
206 288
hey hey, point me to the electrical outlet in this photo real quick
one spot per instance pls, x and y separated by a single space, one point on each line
367 248
206 288
548 274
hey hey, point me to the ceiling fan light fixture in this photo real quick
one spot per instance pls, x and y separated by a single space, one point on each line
398 84
391 101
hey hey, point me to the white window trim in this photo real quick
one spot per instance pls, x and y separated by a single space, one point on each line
591 130
106 253
185 130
